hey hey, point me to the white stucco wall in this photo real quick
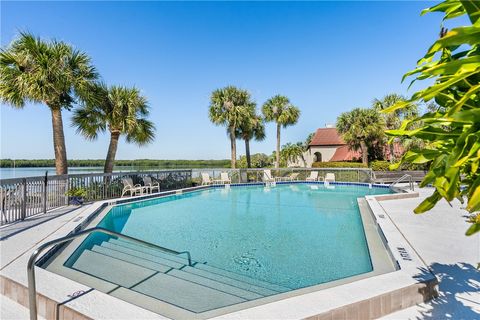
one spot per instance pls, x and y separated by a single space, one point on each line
309 156
326 151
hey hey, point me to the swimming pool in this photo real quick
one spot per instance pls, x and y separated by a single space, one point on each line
247 242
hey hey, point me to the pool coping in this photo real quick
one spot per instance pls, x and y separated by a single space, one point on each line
381 297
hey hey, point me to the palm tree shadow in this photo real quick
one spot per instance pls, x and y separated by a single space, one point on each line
458 292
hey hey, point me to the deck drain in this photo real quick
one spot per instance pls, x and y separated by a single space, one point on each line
404 254
76 294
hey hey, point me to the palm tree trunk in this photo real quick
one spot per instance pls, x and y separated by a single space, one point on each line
112 151
364 148
247 152
61 165
277 164
303 160
392 157
233 148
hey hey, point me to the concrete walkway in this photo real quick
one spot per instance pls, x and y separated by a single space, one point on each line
439 238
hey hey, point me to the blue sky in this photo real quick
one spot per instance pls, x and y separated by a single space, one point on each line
327 57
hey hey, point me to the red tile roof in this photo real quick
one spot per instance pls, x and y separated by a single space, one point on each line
330 137
327 137
344 153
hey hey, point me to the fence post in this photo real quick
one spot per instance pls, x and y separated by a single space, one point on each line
24 202
45 184
65 191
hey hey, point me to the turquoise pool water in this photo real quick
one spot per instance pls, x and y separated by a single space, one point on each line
293 235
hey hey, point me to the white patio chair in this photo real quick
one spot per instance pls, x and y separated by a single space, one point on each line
206 180
150 185
224 178
313 176
330 177
131 188
267 176
292 176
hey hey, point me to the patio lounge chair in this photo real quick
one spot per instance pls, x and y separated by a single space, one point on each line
150 185
133 189
267 176
224 178
207 181
330 177
313 176
293 176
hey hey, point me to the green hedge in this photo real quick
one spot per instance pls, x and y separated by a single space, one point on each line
380 165
339 164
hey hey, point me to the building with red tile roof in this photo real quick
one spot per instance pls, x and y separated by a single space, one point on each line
327 145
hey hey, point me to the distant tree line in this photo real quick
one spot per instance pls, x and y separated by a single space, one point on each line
23 163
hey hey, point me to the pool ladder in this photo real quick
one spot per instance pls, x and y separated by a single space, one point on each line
32 290
403 178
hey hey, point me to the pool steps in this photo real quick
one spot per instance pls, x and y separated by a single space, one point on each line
203 266
147 274
184 274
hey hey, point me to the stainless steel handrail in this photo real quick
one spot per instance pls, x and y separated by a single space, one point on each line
32 290
402 178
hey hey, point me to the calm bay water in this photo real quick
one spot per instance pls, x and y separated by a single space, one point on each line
9 173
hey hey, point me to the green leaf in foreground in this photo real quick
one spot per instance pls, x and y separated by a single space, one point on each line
450 130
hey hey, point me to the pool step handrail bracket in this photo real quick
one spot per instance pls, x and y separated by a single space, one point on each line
407 177
32 291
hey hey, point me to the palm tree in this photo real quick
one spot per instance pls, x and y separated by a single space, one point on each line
121 111
393 120
229 106
51 73
251 128
359 127
292 151
283 113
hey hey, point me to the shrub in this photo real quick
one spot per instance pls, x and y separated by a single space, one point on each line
380 165
259 160
339 164
414 166
77 192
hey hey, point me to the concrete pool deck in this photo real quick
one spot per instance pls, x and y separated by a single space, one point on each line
18 241
439 239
